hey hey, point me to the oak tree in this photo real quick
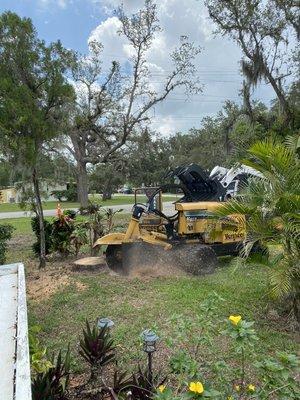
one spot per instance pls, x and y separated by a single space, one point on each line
111 108
262 31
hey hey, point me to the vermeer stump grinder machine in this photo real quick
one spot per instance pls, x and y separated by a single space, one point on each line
191 239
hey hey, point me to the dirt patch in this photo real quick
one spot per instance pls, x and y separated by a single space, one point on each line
45 285
42 284
80 286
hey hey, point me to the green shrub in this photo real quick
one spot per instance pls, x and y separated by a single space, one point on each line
38 353
58 233
61 234
69 194
52 384
6 231
48 232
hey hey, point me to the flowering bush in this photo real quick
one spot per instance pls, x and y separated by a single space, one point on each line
243 377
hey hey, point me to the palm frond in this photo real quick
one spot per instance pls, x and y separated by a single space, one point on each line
234 207
281 279
293 143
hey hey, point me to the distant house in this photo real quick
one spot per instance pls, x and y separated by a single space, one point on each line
8 195
14 193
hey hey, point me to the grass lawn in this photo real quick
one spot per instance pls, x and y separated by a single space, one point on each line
116 200
60 300
48 205
137 304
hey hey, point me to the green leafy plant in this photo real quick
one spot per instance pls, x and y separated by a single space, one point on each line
277 376
182 363
38 354
79 237
62 229
244 337
70 213
48 235
100 222
6 231
96 347
53 383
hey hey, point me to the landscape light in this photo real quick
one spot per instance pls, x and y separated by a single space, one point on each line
149 339
105 323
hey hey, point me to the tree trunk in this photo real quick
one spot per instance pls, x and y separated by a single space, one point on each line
40 214
281 98
82 184
106 195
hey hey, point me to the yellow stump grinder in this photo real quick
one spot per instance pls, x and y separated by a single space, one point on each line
191 239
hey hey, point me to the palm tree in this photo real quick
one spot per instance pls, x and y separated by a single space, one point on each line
272 205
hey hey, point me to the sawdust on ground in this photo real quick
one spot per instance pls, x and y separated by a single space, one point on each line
41 285
44 286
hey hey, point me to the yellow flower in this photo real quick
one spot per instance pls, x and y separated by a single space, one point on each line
229 398
251 388
196 387
161 388
237 388
235 319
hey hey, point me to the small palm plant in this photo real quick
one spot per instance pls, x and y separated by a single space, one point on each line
272 208
97 348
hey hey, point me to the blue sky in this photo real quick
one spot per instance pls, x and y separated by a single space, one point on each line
75 21
71 22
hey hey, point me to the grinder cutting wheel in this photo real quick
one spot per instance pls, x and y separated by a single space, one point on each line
190 239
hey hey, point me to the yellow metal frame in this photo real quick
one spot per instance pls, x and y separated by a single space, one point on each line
133 234
212 229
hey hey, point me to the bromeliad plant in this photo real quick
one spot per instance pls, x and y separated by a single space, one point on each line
62 229
97 348
58 232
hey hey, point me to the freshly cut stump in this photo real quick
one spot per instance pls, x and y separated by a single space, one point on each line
143 258
88 264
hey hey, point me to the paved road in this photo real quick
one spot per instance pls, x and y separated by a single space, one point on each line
168 209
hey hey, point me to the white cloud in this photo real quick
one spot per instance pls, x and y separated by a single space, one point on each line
218 64
114 45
